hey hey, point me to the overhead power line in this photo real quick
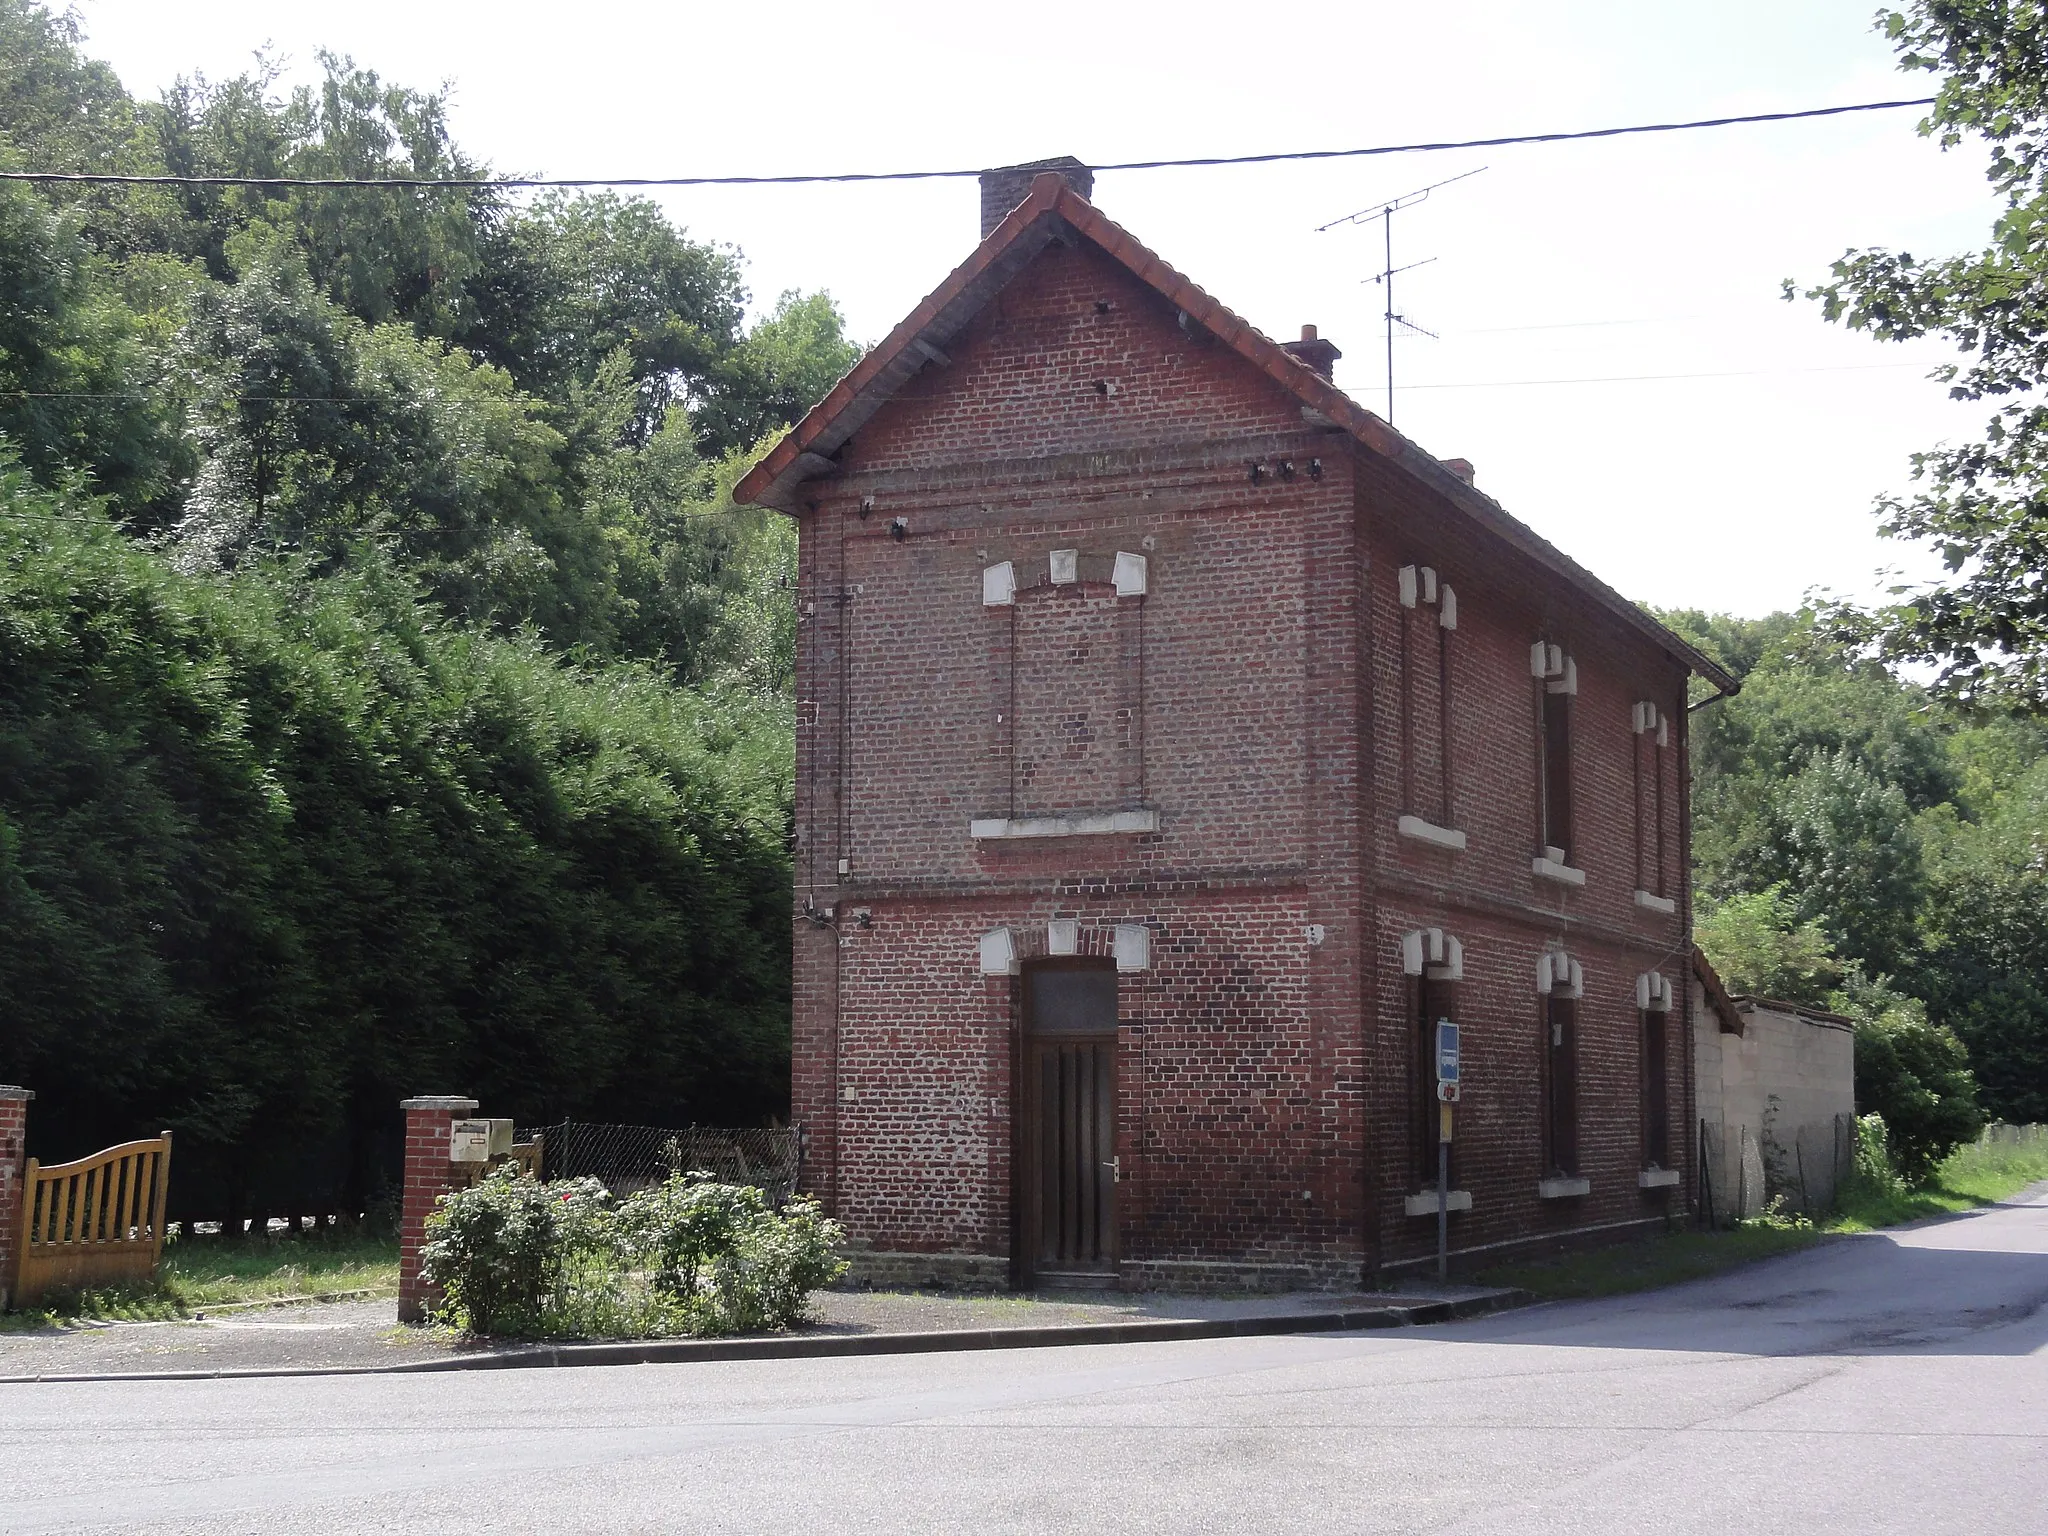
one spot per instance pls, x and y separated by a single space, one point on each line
523 183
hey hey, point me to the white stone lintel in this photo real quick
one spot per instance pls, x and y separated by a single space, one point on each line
1563 1189
1657 1178
1428 832
999 827
1651 903
1424 1204
1563 874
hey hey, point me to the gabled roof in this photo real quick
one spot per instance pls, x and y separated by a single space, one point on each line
1053 210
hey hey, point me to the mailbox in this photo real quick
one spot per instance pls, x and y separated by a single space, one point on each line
478 1141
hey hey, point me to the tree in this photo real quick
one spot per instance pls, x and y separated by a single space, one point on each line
573 281
1983 505
1915 1074
782 368
1759 945
1985 926
76 391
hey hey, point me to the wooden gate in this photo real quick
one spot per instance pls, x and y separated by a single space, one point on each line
98 1221
1067 1164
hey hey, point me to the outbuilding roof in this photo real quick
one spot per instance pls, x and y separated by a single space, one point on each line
1053 209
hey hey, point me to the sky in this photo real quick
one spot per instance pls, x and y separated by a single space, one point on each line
1611 348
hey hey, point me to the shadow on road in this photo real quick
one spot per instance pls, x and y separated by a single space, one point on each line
1975 1284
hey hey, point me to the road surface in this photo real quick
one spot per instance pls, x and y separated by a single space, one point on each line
1895 1382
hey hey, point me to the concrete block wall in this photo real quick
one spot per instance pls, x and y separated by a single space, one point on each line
1781 1088
14 1104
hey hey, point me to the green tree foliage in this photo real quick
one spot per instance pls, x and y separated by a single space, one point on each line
1913 1073
1982 505
780 368
1759 946
276 851
391 696
75 375
1862 844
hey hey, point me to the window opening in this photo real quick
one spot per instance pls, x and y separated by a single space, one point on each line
1656 1091
1429 616
1558 680
1560 1081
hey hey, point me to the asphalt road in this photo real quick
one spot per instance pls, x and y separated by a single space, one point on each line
1886 1383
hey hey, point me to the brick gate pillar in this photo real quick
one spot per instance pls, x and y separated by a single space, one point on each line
13 1154
429 1174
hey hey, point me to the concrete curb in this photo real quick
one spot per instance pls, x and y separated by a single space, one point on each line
825 1346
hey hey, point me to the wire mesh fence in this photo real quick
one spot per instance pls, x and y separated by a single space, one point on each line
628 1158
1744 1168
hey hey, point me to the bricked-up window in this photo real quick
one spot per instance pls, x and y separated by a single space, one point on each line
1435 999
1557 682
1656 1090
1429 618
1653 770
1561 1083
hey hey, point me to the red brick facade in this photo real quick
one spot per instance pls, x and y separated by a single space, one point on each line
1204 631
14 1104
430 1173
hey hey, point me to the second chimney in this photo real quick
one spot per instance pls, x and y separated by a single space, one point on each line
1313 350
1008 185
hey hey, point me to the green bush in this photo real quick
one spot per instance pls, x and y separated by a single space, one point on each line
518 1258
502 1251
1917 1076
720 1252
766 1281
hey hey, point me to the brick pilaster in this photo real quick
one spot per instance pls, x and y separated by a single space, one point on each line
13 1155
428 1175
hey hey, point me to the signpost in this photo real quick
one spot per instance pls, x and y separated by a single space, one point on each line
1447 1095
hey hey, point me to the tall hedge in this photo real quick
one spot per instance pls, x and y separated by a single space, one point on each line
275 852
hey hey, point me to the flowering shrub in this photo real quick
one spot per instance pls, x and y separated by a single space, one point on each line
502 1250
520 1258
720 1252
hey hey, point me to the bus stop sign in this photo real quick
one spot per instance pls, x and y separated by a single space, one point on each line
1446 1051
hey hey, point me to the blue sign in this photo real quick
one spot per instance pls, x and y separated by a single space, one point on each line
1446 1051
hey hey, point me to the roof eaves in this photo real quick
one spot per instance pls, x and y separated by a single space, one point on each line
1051 202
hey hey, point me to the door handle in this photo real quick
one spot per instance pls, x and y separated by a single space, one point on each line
1116 1170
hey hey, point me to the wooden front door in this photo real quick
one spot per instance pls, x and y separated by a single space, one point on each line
1067 1167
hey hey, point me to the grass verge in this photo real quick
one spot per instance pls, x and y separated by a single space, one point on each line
1974 1176
204 1272
1644 1265
1979 1174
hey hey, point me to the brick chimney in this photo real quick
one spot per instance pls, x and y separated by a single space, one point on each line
1008 185
1313 350
1462 468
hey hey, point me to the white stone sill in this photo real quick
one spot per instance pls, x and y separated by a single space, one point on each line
1424 1204
1649 903
996 827
1428 832
1657 1178
1563 874
1562 1189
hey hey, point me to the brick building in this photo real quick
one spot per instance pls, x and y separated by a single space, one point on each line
1175 744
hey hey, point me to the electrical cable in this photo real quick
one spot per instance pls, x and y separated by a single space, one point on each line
527 183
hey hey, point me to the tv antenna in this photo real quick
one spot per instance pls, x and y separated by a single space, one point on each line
1385 212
